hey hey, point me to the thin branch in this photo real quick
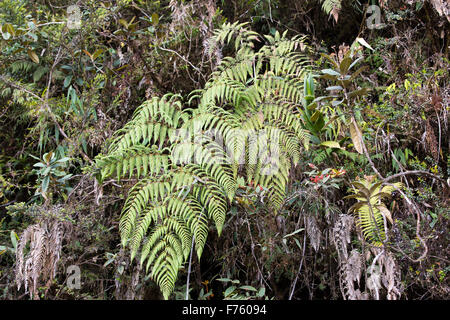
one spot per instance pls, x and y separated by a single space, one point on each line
19 87
299 267
253 253
189 268
418 172
410 203
183 58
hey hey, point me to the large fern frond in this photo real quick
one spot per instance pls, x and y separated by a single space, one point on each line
188 160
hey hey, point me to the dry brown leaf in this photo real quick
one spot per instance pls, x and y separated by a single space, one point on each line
356 136
335 13
385 212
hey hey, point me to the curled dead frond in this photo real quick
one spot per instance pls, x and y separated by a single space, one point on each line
350 276
38 252
341 234
350 264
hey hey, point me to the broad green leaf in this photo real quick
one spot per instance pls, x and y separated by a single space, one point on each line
124 23
354 63
345 64
14 238
45 183
326 56
361 188
332 88
330 72
229 291
359 92
331 144
249 288
6 35
67 81
155 18
37 75
357 72
335 103
261 292
48 156
364 43
7 27
39 164
66 177
315 116
97 53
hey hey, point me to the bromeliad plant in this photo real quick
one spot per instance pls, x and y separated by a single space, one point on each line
190 162
313 118
371 212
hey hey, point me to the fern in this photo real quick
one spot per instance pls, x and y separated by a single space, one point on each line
20 67
188 160
329 5
243 37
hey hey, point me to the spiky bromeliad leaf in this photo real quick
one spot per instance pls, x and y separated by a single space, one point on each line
372 213
187 176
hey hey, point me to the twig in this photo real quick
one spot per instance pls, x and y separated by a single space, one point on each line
189 268
49 23
183 58
400 166
19 87
299 267
417 225
253 252
439 127
366 153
